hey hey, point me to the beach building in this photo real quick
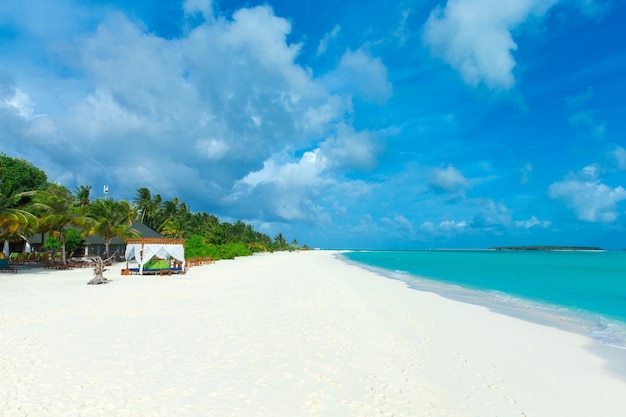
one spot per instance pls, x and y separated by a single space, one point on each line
93 245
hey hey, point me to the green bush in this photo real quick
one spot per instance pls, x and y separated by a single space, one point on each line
196 247
73 239
52 243
232 250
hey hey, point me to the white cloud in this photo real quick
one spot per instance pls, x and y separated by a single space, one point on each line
525 171
444 227
361 75
328 37
590 172
474 37
399 222
491 215
580 100
620 155
533 222
204 7
285 190
351 150
21 123
591 200
449 180
368 227
213 149
587 119
402 31
452 226
289 188
227 103
20 103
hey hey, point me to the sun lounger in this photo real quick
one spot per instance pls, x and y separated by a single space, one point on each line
5 267
148 271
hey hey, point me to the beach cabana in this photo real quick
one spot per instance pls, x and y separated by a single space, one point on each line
143 250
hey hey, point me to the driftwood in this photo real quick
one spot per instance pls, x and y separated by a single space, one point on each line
98 271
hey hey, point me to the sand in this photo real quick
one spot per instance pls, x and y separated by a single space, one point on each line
286 334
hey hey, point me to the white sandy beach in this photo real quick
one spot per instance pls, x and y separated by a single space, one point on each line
286 334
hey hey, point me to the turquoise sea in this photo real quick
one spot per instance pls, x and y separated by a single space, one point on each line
583 291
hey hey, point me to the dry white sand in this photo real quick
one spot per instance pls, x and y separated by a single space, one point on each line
287 334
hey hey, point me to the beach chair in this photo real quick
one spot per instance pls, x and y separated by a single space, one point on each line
6 267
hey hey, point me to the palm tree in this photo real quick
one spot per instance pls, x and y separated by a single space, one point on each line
112 219
143 202
202 224
280 242
14 220
56 209
82 195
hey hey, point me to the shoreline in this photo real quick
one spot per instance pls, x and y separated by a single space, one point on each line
603 327
541 313
282 334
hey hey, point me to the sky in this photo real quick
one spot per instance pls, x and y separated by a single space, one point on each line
355 124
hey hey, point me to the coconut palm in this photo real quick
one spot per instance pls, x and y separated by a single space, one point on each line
143 203
13 219
111 219
82 195
56 209
280 243
148 208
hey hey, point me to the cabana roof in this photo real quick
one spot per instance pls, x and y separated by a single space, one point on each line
156 241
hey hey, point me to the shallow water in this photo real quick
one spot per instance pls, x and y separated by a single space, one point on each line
583 291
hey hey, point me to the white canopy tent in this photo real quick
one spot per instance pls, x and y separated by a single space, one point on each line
144 249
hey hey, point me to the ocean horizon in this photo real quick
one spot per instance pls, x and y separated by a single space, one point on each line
583 291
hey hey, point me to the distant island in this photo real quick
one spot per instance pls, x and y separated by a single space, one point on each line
548 248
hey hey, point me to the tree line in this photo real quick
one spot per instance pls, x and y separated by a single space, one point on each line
30 204
547 248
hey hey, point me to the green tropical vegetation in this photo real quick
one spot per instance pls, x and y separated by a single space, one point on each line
30 204
547 248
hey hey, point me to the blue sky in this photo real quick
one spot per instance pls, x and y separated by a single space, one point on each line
413 124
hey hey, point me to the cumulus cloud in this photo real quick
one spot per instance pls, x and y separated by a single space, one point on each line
20 120
289 187
204 7
444 227
226 103
449 180
361 75
286 190
492 215
20 103
348 149
533 222
591 200
474 37
452 226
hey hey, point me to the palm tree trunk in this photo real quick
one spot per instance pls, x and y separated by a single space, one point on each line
63 257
